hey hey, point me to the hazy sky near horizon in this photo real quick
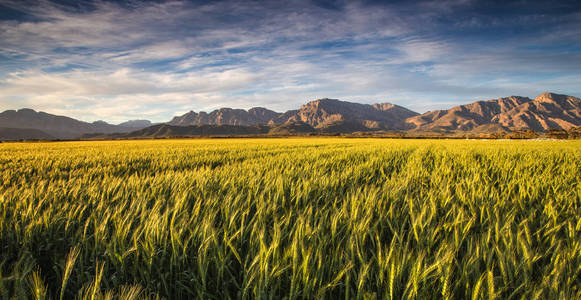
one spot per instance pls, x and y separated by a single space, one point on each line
120 60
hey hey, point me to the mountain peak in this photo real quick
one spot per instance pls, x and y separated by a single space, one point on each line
324 112
259 109
552 97
324 101
27 111
328 100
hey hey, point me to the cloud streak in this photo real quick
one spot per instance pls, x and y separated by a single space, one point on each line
122 60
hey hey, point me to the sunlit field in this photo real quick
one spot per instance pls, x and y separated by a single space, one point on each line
291 218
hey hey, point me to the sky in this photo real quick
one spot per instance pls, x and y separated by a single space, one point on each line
122 60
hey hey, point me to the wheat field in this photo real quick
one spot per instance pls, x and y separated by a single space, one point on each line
295 218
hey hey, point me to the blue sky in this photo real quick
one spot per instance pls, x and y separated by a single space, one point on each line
119 60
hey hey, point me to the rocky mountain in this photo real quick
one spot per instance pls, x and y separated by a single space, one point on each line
320 113
545 112
326 112
465 117
226 116
59 127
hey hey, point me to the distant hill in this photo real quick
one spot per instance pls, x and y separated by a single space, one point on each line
23 134
545 112
60 127
166 130
291 127
136 124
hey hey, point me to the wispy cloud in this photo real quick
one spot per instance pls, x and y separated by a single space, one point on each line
115 61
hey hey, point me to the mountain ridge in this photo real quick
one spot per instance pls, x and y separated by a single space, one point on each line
548 111
317 113
545 112
58 127
226 116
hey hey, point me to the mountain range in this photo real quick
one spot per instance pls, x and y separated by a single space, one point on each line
546 112
318 114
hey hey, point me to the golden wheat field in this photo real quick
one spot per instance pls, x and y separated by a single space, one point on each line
291 218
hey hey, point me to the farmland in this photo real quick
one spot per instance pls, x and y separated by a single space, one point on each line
296 218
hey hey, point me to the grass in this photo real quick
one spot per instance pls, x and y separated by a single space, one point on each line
291 218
